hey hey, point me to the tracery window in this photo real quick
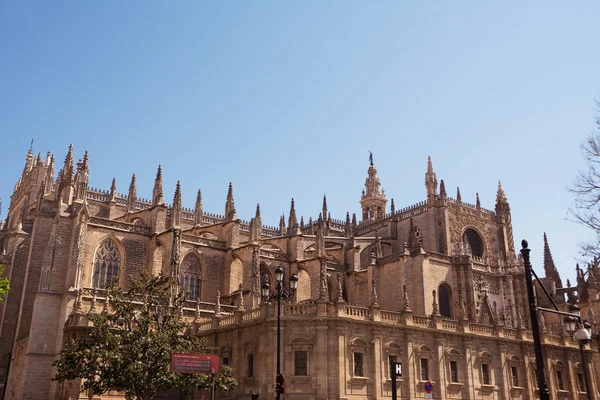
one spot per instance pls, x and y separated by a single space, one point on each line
190 276
106 264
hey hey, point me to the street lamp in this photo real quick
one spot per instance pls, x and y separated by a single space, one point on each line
572 321
279 295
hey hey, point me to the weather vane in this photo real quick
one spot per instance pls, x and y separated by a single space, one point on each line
371 157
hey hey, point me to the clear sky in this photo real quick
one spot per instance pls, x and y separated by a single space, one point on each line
286 98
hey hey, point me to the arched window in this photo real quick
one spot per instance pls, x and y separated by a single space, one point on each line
190 276
445 301
474 241
106 264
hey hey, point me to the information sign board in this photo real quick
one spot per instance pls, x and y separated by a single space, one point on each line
191 363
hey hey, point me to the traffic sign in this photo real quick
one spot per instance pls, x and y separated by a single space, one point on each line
428 386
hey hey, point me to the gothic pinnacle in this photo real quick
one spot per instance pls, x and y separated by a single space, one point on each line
132 195
477 202
113 190
292 220
549 267
68 169
230 205
198 213
157 192
257 211
500 195
85 161
324 206
392 207
442 189
458 198
177 195
429 165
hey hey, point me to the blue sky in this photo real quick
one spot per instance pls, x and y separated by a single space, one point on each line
285 99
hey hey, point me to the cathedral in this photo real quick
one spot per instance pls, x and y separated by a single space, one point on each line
436 286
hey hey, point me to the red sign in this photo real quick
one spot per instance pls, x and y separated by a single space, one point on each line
428 386
190 363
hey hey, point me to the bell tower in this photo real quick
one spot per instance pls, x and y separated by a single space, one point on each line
373 199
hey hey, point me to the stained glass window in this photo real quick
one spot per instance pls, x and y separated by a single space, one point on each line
190 276
106 264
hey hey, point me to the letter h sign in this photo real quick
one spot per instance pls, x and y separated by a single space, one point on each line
395 372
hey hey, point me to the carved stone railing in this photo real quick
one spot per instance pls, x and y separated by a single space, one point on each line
217 244
251 314
296 310
121 226
392 317
450 324
357 312
421 320
481 329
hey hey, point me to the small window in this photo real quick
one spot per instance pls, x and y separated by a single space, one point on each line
475 242
358 364
250 370
300 363
515 376
225 360
424 369
580 382
485 372
559 380
453 371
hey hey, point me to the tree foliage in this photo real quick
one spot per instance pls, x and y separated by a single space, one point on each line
129 347
4 287
586 188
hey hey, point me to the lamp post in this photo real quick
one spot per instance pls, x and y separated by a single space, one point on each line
279 295
571 322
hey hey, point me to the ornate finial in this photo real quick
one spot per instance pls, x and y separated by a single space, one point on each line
325 206
430 181
77 305
477 202
93 302
375 298
106 305
436 311
176 209
392 207
68 168
370 158
241 298
257 215
282 228
340 289
218 305
406 305
458 197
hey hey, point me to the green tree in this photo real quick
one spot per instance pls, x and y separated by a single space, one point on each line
586 188
129 347
4 287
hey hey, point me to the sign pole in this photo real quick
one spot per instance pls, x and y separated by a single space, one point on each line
393 375
212 395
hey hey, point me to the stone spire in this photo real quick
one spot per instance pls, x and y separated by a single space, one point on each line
132 195
354 224
414 244
230 213
292 220
301 223
258 219
198 213
82 178
443 194
373 201
392 207
282 229
157 192
430 181
458 197
176 210
113 190
502 206
477 202
549 267
325 214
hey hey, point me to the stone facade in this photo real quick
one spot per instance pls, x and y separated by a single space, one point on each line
436 286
